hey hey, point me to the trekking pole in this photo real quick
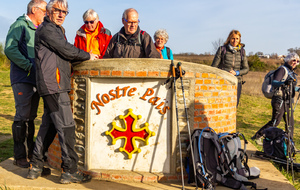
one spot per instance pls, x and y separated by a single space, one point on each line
290 134
187 121
179 141
296 101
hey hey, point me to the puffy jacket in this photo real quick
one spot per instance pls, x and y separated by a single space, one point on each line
139 45
53 54
19 49
103 38
232 62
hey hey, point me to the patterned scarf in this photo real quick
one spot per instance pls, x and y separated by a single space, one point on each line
234 49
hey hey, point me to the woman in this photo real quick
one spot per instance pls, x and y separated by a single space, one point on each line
92 36
282 76
161 37
232 58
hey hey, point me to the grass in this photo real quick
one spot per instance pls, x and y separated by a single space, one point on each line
6 149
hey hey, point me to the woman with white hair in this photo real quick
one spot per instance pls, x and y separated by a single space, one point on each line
282 78
92 36
161 37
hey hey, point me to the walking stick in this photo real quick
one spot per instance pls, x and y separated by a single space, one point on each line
296 101
181 72
179 141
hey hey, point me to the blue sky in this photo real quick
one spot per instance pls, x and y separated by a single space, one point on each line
270 26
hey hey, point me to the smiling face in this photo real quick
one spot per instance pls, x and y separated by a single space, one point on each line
131 23
294 63
160 41
235 40
91 23
58 14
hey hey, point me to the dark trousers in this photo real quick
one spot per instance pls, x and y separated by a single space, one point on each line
277 113
23 128
239 92
57 114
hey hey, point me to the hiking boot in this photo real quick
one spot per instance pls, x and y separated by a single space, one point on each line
23 163
77 177
259 141
34 172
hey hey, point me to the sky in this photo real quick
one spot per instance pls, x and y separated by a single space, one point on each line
268 26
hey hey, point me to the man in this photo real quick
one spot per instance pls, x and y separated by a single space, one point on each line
19 49
130 41
53 70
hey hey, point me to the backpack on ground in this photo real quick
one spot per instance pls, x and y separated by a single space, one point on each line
275 143
212 167
236 156
267 88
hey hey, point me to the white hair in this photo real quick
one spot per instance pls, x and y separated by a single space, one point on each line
89 13
163 33
64 3
291 56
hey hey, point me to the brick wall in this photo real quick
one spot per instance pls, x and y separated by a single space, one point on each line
210 98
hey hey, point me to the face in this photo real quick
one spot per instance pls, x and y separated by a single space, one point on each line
160 41
132 22
58 14
294 63
91 23
235 40
40 12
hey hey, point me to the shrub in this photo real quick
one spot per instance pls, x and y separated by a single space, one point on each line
4 62
255 64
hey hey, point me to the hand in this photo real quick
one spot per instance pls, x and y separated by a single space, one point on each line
233 72
93 56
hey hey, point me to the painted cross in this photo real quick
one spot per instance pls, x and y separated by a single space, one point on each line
130 133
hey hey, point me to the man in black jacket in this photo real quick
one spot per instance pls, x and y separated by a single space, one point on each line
52 55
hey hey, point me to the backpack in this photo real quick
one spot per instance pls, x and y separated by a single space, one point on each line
267 88
236 156
275 143
210 162
168 52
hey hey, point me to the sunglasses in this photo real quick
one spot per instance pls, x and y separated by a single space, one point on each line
295 60
91 22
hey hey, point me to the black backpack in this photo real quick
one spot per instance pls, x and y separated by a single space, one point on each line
211 165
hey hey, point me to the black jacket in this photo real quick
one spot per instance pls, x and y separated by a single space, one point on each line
52 56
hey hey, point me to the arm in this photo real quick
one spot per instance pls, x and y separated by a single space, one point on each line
12 50
107 38
109 53
244 66
149 47
217 59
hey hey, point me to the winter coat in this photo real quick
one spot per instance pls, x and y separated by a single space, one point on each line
103 38
53 54
19 49
139 45
232 61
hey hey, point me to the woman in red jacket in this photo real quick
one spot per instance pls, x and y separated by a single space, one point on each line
92 36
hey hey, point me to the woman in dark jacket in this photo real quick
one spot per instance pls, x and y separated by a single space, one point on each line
232 58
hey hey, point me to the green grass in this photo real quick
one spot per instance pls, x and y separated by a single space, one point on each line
6 149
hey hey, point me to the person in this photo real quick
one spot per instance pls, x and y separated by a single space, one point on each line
131 41
53 72
161 37
279 82
92 36
232 58
19 49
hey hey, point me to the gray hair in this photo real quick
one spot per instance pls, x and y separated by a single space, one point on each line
64 3
291 56
125 13
163 33
34 3
89 13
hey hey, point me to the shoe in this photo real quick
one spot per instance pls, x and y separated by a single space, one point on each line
23 163
77 177
259 141
34 172
45 172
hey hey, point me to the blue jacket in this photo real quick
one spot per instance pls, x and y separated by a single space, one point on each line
19 49
165 55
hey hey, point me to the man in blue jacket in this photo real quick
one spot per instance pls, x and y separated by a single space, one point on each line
19 49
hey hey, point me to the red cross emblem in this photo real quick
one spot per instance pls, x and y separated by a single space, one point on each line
130 133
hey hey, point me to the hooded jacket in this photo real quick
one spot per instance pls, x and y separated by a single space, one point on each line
137 45
19 49
53 54
232 61
103 38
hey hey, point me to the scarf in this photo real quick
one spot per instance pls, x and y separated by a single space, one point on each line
234 49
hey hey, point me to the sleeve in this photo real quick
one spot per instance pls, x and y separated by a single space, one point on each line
244 65
171 55
107 38
12 50
149 47
55 40
109 53
217 59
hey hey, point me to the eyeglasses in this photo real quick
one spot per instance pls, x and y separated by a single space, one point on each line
58 11
134 23
295 60
44 10
91 22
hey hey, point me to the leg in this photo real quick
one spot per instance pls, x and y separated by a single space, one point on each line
239 91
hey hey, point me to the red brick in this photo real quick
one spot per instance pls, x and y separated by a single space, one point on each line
129 73
198 81
76 73
198 106
116 73
164 74
141 73
204 88
198 94
94 73
189 74
105 73
197 119
84 72
207 81
153 73
204 75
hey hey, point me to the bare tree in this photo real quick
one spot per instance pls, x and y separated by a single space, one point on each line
216 44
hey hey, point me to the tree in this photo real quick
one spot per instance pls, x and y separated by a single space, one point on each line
4 62
216 44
